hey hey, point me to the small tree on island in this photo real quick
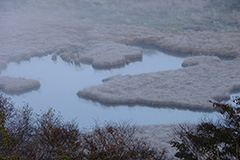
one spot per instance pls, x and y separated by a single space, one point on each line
209 140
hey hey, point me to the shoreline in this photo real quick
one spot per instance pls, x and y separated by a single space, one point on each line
137 52
152 104
106 34
203 78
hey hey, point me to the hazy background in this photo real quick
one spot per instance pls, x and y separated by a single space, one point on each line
42 26
165 15
28 27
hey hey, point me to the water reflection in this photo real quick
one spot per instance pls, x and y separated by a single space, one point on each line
61 81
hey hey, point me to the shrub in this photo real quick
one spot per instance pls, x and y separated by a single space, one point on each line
6 115
208 140
26 135
56 139
116 141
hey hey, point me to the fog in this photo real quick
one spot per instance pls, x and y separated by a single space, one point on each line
60 82
111 33
88 59
38 27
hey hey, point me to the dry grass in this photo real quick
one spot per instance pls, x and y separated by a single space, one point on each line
171 15
205 78
92 30
222 44
17 85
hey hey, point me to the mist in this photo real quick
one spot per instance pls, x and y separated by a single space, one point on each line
107 34
150 62
37 27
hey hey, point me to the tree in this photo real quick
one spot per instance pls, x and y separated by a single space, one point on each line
114 141
26 135
15 130
209 140
55 139
6 115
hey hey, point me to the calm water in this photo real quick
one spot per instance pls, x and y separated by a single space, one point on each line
60 81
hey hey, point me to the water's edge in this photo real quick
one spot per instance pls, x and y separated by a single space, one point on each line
60 81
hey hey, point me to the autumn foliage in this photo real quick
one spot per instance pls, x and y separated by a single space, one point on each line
26 135
211 140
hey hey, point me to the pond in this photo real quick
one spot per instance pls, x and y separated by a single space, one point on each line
60 82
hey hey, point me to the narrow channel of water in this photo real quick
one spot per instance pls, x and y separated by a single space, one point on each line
60 81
